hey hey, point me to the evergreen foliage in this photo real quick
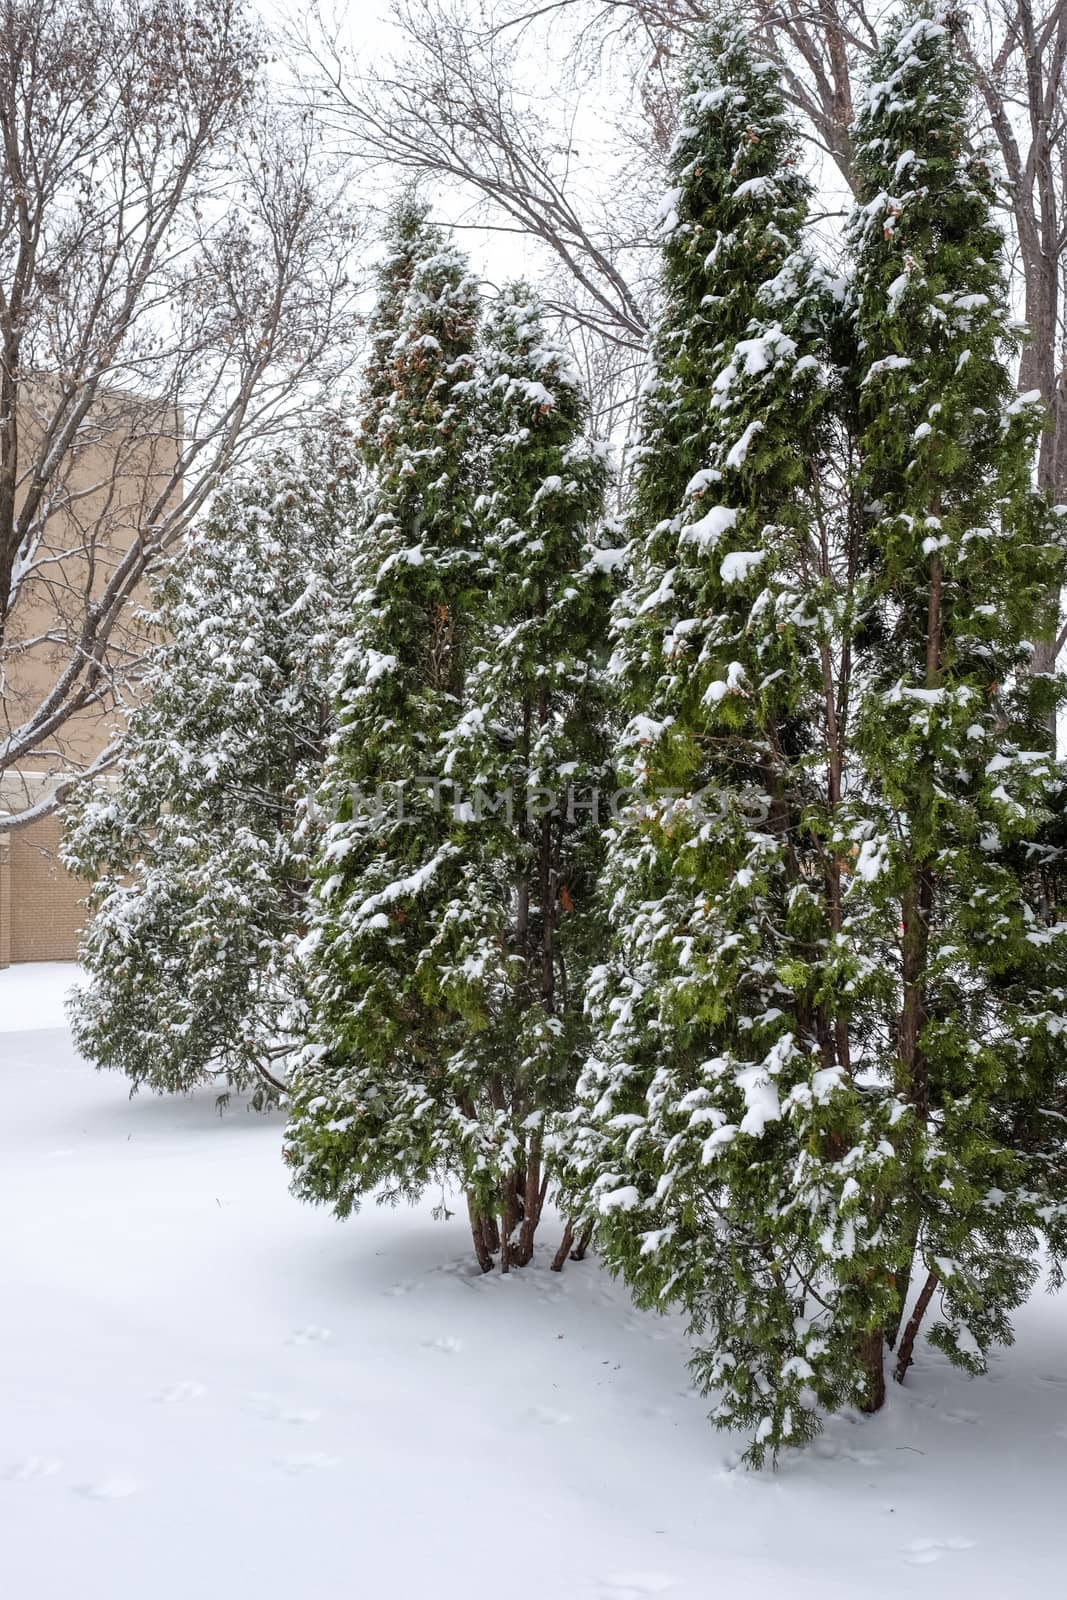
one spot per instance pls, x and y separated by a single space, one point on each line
827 1028
960 785
707 1017
532 749
373 1103
787 1030
196 854
441 1030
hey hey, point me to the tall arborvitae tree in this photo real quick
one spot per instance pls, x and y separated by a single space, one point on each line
958 779
828 1074
714 1017
375 1102
530 759
196 855
447 942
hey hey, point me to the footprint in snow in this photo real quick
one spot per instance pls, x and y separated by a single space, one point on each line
296 1414
549 1415
314 1461
460 1267
446 1344
649 1328
118 1487
271 1409
1051 1377
633 1585
188 1389
658 1413
921 1552
309 1335
32 1467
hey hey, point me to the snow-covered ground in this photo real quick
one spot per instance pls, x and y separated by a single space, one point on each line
32 995
209 1390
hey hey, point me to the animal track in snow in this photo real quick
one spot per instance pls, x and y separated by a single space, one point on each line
943 1413
633 1585
446 1344
309 1335
833 1450
921 1552
1051 1377
271 1409
117 1487
550 1415
32 1467
313 1461
188 1389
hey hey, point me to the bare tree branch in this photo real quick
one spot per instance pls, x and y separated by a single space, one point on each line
174 290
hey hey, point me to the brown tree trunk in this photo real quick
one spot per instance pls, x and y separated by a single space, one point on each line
578 1253
560 1257
872 1350
903 1281
911 1332
533 1199
481 1249
509 1217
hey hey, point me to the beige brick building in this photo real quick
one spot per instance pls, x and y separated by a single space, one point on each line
106 488
40 903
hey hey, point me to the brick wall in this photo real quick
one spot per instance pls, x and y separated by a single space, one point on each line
5 901
40 911
126 458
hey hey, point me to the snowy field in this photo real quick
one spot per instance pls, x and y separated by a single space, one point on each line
209 1390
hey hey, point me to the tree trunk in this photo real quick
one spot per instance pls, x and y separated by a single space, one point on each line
560 1257
481 1249
907 1344
533 1197
872 1351
578 1253
508 1218
904 1282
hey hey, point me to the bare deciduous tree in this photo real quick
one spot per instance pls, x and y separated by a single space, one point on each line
1020 58
470 108
173 288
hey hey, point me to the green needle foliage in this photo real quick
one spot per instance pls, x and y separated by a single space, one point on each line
959 783
532 748
196 855
826 1069
373 1103
445 1021
694 1106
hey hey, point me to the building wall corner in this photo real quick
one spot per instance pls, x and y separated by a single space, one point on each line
5 900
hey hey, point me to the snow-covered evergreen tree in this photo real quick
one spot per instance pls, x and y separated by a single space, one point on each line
712 1016
449 942
374 1103
195 853
827 1068
530 759
959 782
